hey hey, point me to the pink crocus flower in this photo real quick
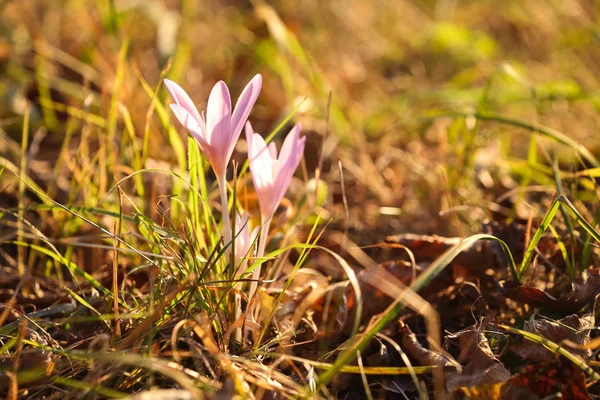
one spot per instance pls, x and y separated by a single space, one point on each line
218 134
271 174
244 240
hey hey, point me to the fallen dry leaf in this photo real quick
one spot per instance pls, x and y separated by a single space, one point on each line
424 356
572 328
536 382
481 365
38 363
583 291
165 394
551 379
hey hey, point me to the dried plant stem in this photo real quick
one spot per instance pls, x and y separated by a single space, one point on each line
23 171
262 243
238 301
237 336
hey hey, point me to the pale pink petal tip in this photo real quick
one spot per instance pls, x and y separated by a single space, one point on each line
181 97
245 103
272 175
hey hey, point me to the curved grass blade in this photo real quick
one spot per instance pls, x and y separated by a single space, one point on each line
175 141
166 171
185 377
555 348
354 369
10 167
75 112
347 269
75 270
359 342
88 388
535 128
571 210
83 209
45 198
289 280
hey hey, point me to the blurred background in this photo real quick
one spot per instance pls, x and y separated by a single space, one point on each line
446 117
385 87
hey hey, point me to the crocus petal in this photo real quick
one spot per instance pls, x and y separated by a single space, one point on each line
242 109
187 120
216 134
218 109
290 143
299 151
218 125
181 98
272 176
261 162
263 169
249 130
186 113
197 130
288 165
273 150
245 103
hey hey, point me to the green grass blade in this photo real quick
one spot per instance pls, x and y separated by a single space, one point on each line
113 112
530 252
535 128
44 197
172 136
194 200
87 387
22 173
137 156
71 266
359 342
555 348
571 210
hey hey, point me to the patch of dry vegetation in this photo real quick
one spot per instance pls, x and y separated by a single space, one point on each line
438 241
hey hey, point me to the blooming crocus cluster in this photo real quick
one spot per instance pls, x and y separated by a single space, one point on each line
217 135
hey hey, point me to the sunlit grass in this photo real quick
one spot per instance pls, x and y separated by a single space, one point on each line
120 212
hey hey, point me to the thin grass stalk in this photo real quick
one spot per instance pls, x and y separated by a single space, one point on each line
23 173
115 289
546 221
555 348
237 336
586 253
43 86
195 171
